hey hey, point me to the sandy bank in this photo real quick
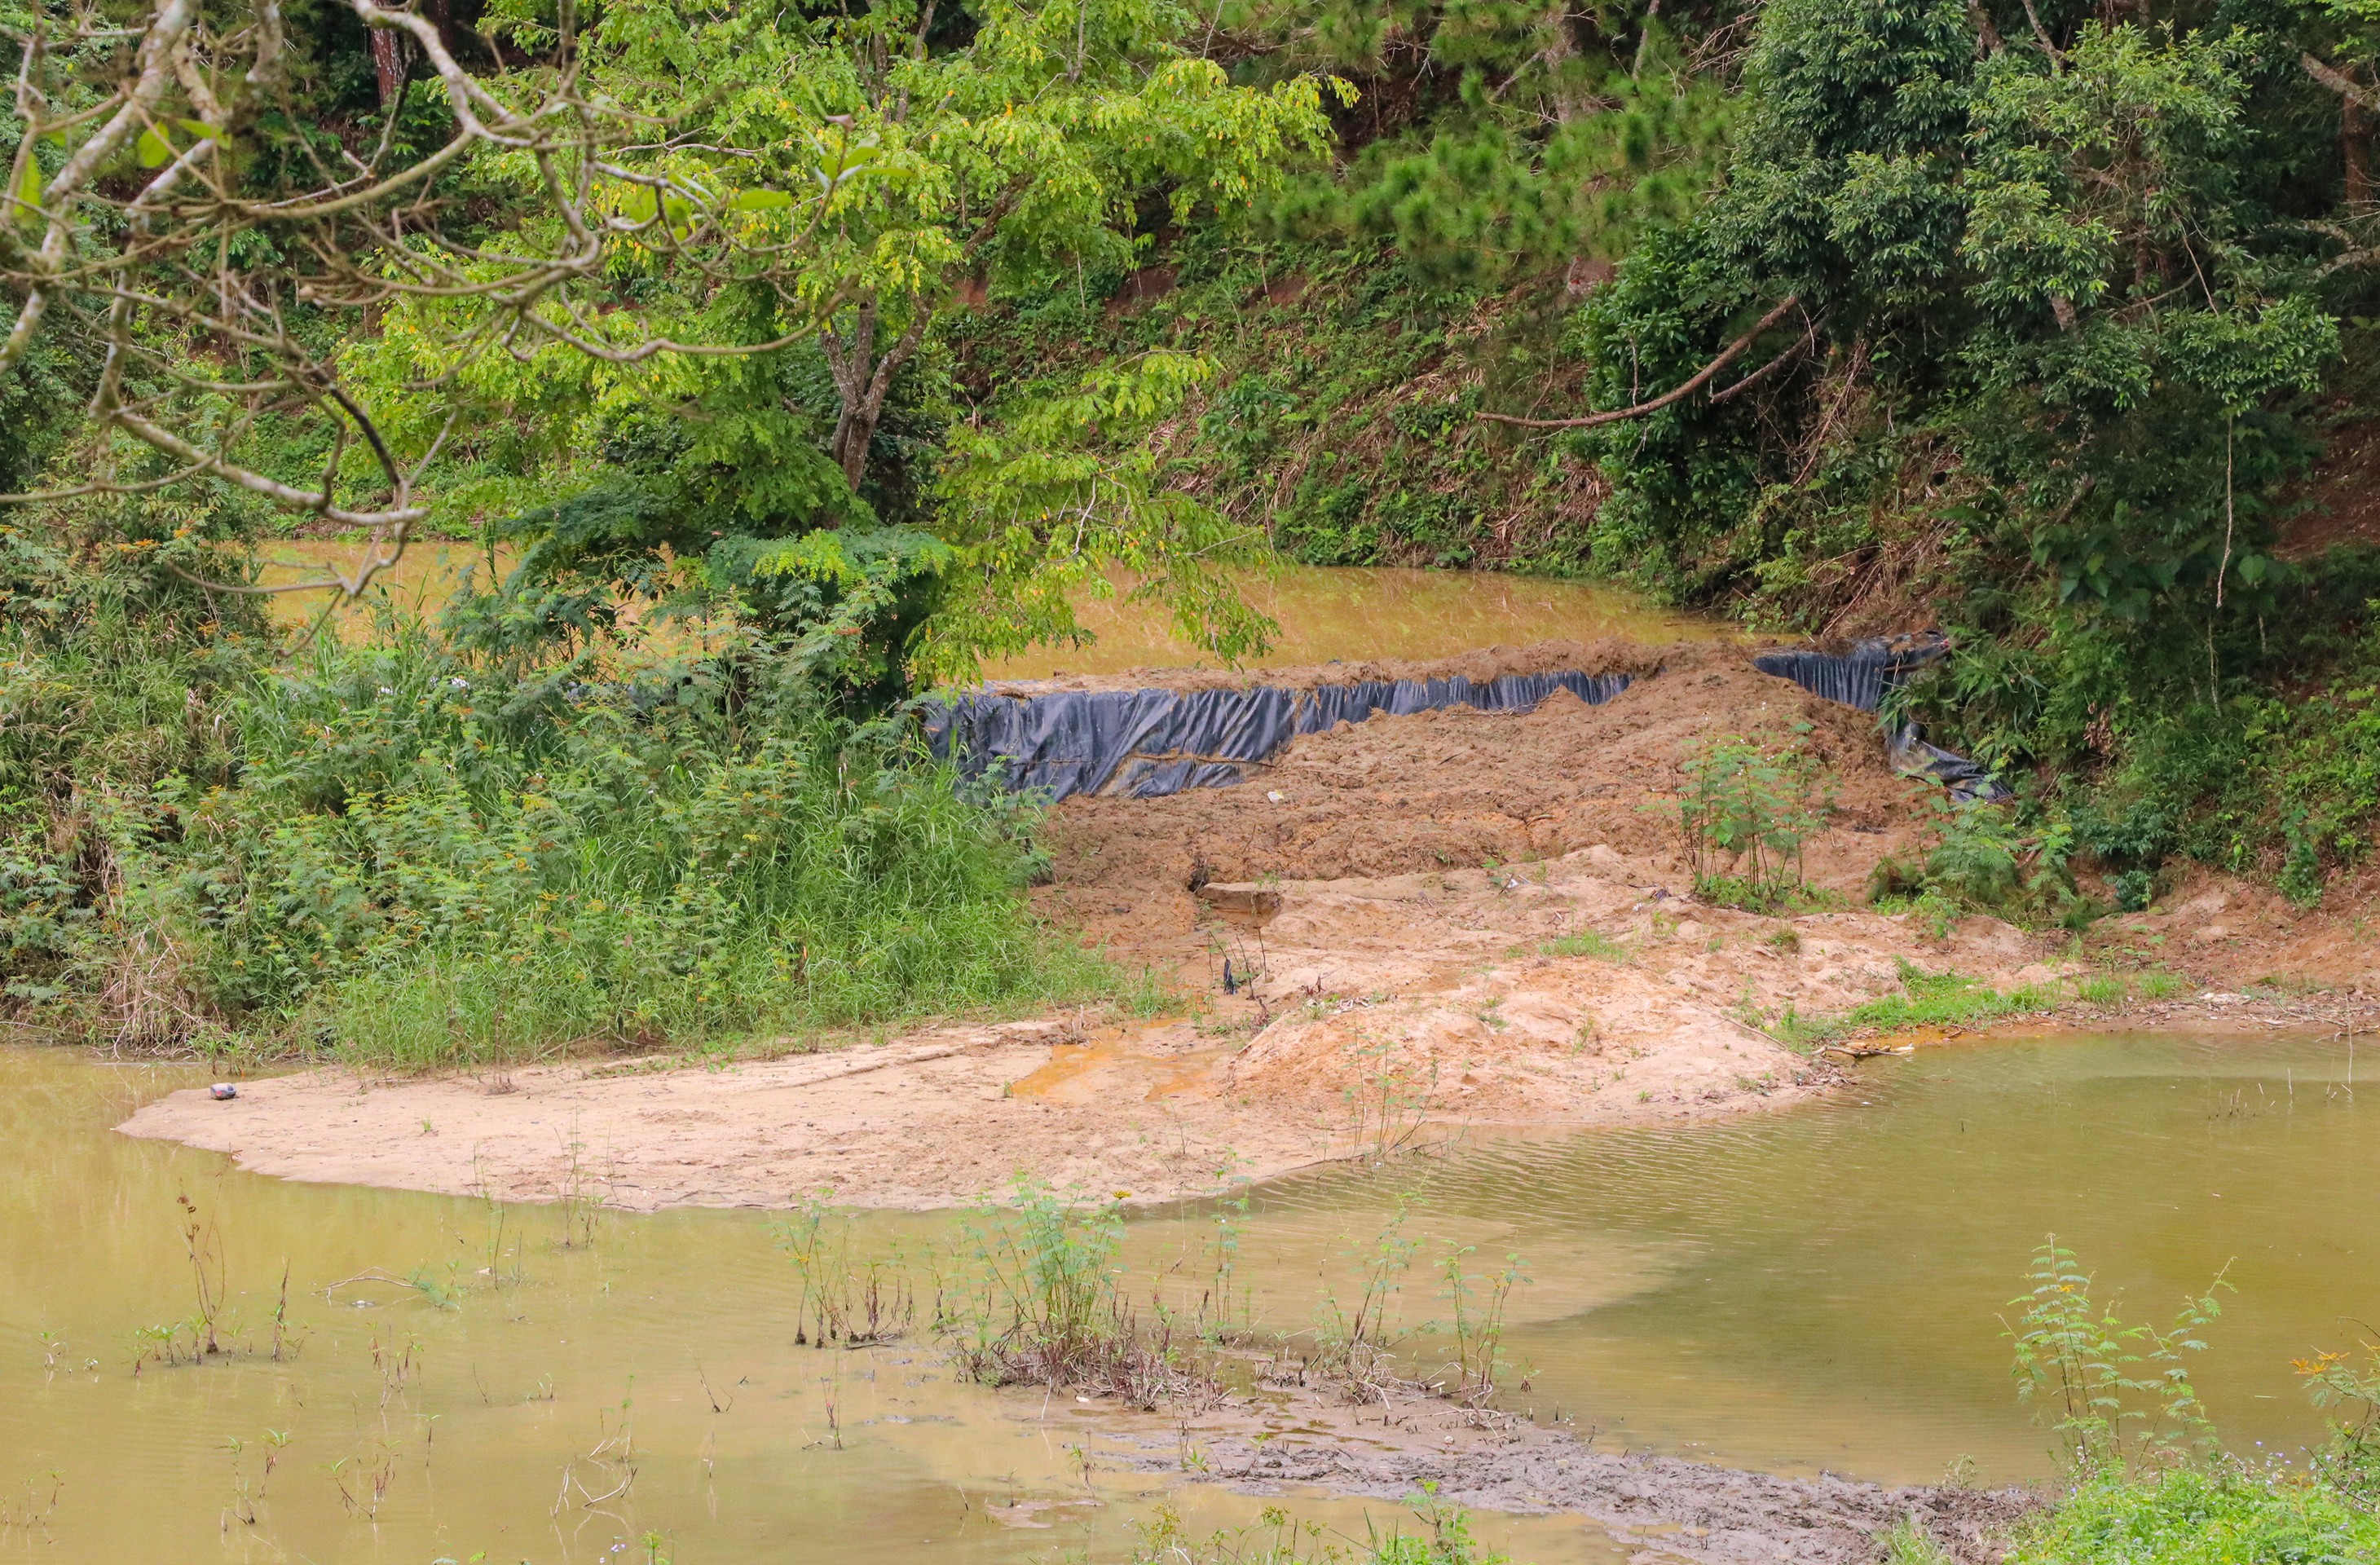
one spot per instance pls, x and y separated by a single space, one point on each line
1455 918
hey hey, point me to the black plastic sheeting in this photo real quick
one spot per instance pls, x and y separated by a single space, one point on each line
1142 743
1863 677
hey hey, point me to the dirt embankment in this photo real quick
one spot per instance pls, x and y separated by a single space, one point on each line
1450 918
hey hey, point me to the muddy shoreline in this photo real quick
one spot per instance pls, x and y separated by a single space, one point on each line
1664 1506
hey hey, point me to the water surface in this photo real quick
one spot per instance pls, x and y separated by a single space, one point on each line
1815 1288
1325 613
1821 1288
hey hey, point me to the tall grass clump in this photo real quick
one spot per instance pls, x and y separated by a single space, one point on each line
407 852
433 861
1039 1300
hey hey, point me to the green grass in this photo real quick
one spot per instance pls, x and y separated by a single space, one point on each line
2203 1516
2103 991
407 856
1927 1000
1585 942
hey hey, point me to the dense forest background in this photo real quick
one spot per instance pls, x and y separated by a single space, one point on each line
2048 324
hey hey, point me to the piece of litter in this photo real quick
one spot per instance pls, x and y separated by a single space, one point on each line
1275 794
222 1091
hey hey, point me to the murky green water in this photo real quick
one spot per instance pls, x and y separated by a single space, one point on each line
1350 612
1813 1288
1819 1288
1325 613
506 1433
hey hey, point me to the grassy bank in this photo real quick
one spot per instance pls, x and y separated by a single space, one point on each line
405 852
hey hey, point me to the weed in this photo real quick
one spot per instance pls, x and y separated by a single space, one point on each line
2103 991
1357 1347
1927 1000
1477 1308
1744 814
2121 1395
501 859
1388 1108
1907 1544
1043 1303
855 1304
1585 942
363 1479
30 1510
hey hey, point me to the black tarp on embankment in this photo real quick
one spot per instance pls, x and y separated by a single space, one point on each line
1863 677
1142 743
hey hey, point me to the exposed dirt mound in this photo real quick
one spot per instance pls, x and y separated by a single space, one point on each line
1447 918
1578 989
1461 789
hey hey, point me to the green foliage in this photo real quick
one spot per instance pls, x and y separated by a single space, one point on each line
1926 1000
1983 860
1501 140
2153 1488
2217 1516
416 854
1014 147
1053 502
1907 1544
1583 943
2120 1396
1041 1303
1744 812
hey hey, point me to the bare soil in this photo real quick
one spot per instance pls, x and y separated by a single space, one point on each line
1454 918
1667 1507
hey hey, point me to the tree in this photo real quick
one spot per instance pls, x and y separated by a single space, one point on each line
644 187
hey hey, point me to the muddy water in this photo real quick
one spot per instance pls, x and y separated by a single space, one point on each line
1329 612
1818 1287
663 1348
1325 613
1815 1288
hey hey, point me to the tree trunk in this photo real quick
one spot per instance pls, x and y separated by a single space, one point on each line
388 62
2355 151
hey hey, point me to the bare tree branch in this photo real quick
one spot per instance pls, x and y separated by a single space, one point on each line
1702 378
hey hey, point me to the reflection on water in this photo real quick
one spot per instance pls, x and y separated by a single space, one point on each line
1820 1287
1347 613
1814 1288
664 1350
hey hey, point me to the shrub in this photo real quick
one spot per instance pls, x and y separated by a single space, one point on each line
1743 816
2221 1515
418 858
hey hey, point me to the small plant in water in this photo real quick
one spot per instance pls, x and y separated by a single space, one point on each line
1477 1305
2121 1395
1041 1303
854 1304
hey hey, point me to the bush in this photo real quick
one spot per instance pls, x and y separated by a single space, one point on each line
2222 1515
1743 814
417 857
